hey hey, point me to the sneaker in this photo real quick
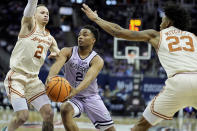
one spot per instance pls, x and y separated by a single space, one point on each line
4 128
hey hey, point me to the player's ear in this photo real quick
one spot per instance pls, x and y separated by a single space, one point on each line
94 40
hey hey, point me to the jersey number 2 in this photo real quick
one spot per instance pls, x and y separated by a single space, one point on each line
79 76
38 52
189 44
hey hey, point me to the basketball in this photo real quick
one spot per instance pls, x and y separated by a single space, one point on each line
58 88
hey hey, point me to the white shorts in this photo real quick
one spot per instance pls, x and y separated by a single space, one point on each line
19 104
25 87
180 91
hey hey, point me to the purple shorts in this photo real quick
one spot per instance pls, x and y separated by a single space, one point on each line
95 109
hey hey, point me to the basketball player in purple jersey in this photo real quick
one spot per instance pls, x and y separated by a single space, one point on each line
81 66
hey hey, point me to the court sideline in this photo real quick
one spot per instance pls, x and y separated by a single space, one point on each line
121 123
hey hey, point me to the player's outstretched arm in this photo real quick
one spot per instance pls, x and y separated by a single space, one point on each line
117 31
95 67
28 21
60 61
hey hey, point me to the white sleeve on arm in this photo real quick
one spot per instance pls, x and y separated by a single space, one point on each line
30 8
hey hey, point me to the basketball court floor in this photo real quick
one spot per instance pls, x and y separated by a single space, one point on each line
121 123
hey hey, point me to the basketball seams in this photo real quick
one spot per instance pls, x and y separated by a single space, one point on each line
53 86
58 95
66 90
59 90
54 80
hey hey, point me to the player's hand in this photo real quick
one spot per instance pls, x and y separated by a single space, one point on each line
92 15
53 55
47 81
73 92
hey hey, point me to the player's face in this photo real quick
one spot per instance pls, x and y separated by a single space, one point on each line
165 23
42 15
85 38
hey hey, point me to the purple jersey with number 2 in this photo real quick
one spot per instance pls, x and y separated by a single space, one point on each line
87 100
75 70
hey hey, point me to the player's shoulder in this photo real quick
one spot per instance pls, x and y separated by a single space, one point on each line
66 51
97 59
96 55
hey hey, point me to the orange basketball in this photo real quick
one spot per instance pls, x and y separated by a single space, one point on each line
58 88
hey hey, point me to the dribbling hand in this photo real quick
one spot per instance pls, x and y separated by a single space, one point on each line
48 79
73 92
92 15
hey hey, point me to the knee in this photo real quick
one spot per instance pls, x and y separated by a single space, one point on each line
22 117
66 109
48 114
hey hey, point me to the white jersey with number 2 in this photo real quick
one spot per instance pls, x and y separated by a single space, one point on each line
30 51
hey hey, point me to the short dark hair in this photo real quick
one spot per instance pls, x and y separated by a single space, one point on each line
178 15
94 31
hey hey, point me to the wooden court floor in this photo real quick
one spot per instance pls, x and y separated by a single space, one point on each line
121 123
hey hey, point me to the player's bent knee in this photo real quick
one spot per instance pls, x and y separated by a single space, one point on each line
66 108
22 116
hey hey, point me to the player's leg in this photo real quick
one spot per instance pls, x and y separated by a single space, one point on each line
14 84
98 113
70 109
43 105
154 113
47 115
111 129
67 112
35 90
20 113
142 125
167 103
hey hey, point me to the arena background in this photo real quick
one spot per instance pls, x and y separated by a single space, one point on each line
126 88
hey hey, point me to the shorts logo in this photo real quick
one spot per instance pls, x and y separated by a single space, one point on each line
107 116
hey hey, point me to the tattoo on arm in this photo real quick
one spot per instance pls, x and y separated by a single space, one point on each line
111 28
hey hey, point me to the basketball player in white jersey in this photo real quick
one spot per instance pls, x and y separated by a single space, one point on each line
81 67
177 52
22 83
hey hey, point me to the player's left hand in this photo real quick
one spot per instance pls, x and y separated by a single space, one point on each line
92 15
48 79
73 92
53 55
